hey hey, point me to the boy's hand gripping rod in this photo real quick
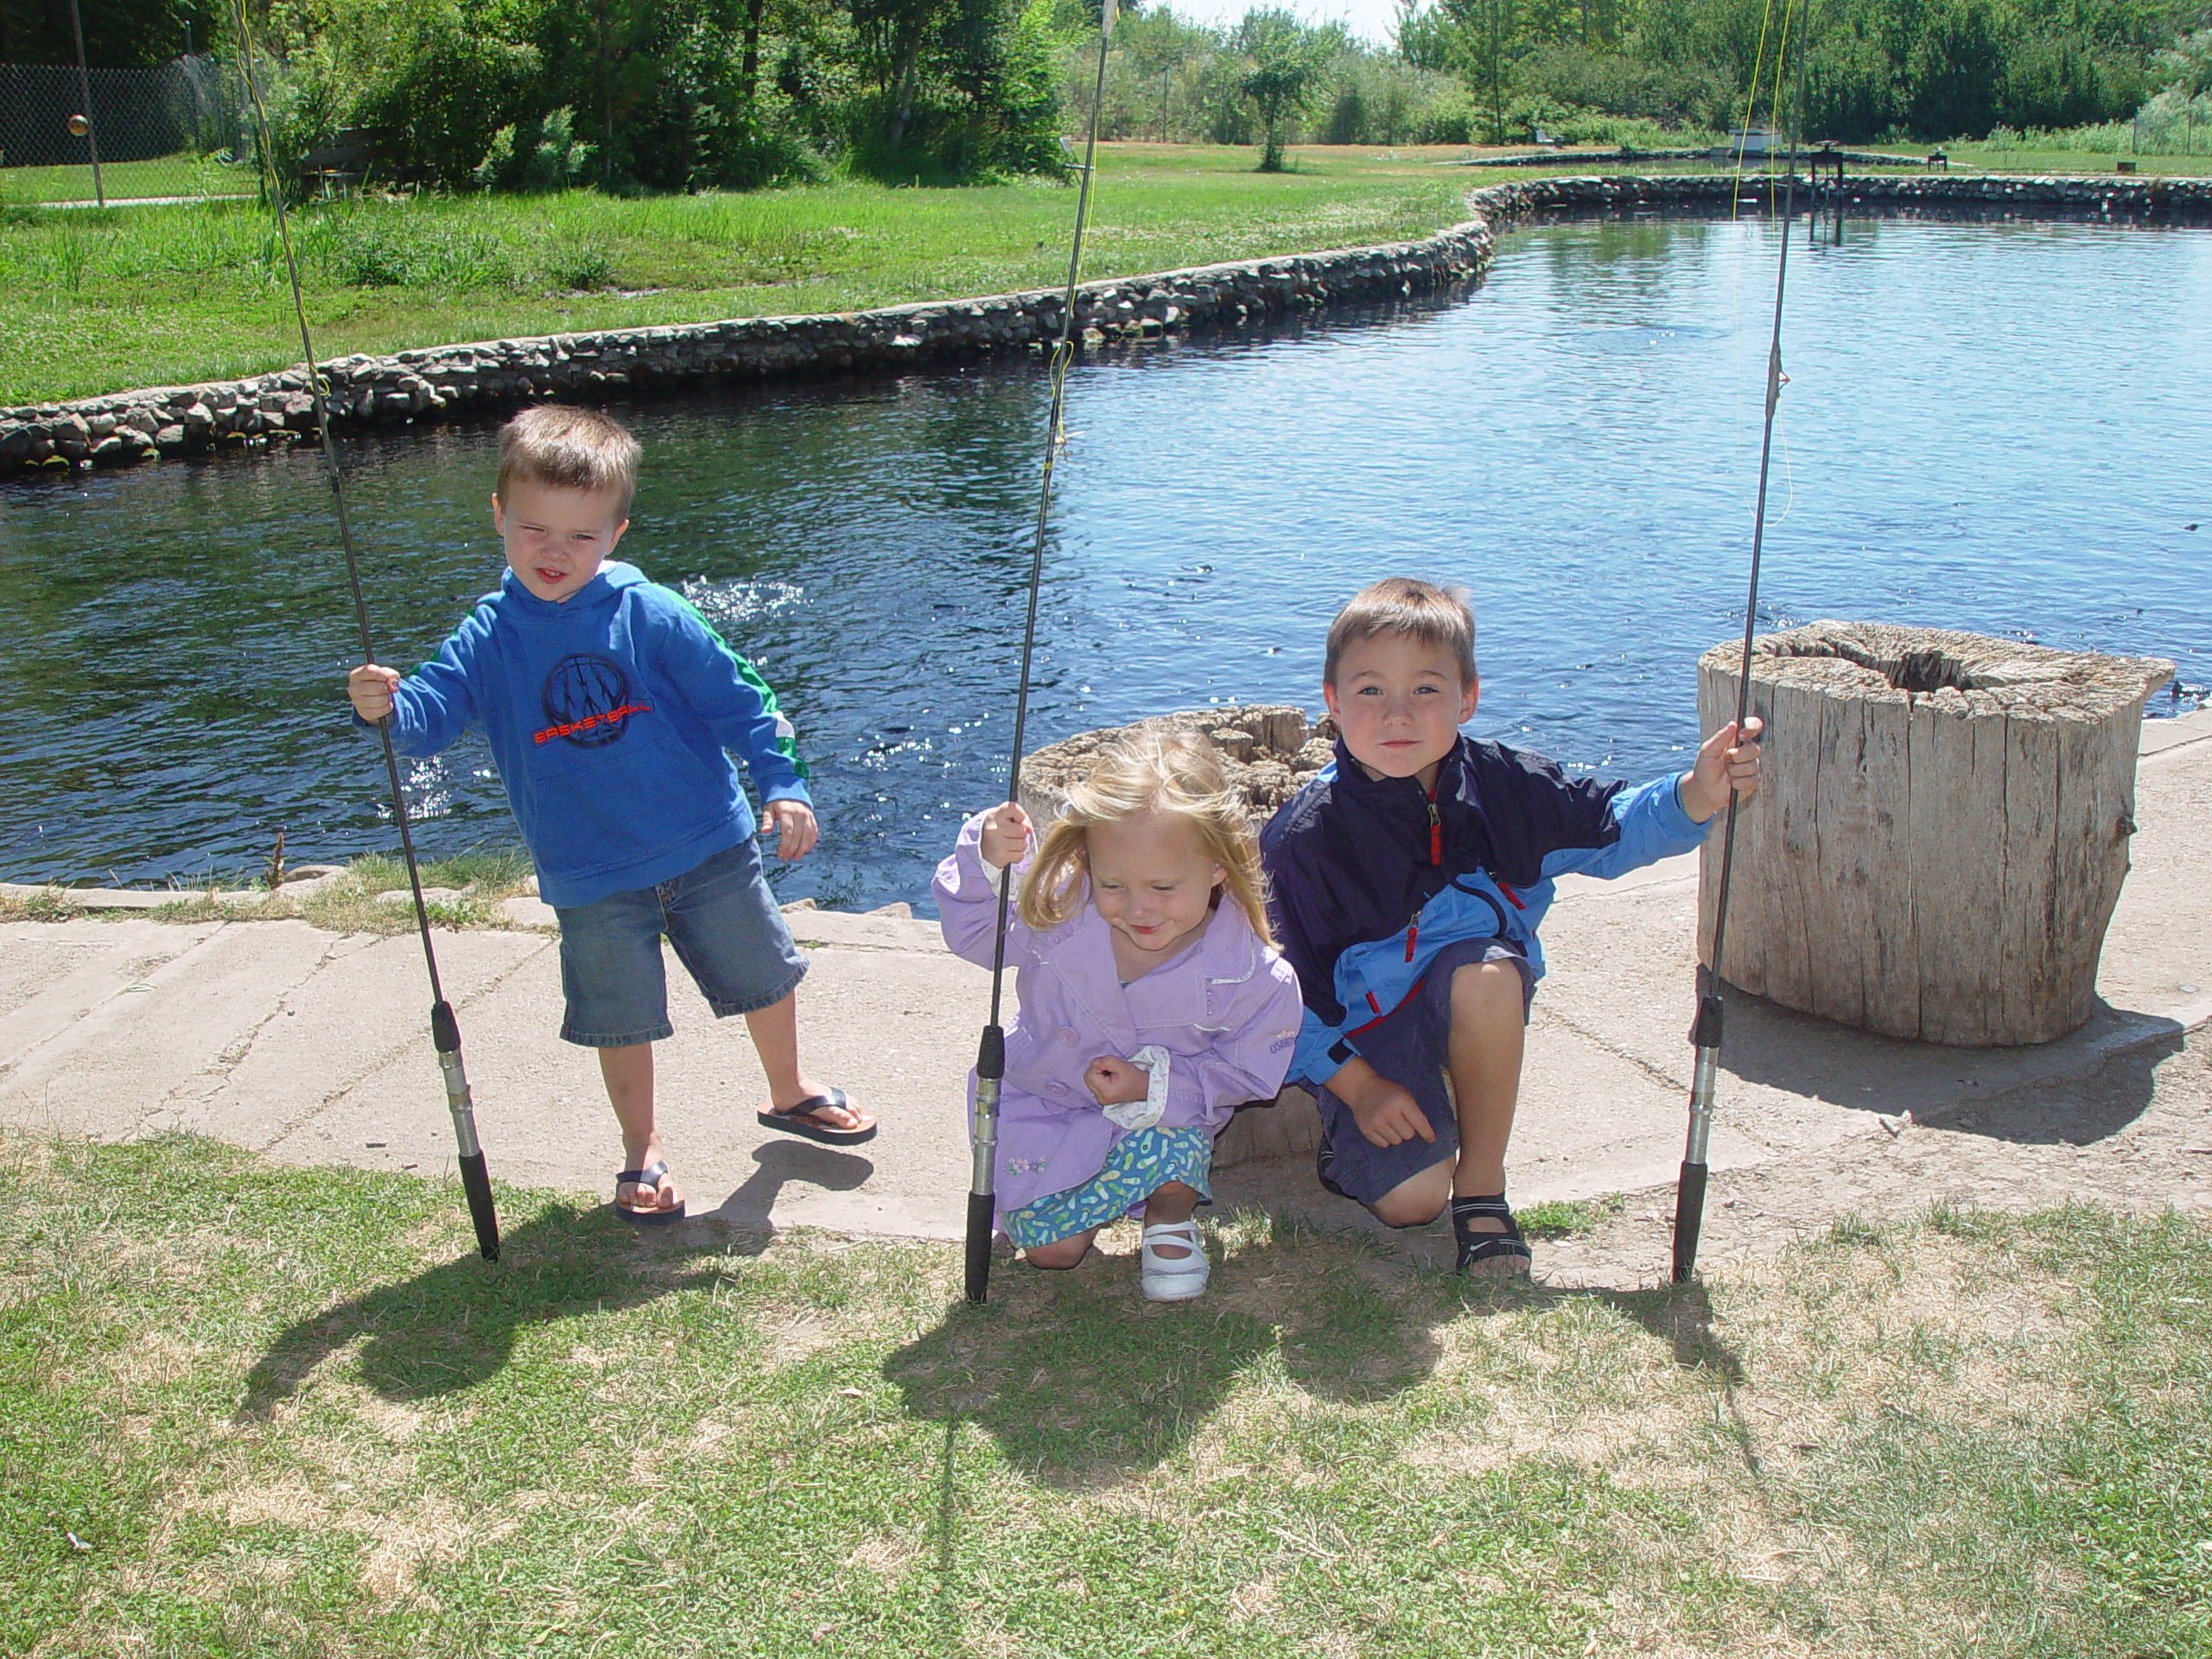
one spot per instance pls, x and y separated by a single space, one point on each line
445 1030
1705 1034
990 1056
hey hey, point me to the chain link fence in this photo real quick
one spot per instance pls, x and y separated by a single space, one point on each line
180 130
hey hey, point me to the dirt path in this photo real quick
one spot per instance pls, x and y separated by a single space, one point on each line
2136 1136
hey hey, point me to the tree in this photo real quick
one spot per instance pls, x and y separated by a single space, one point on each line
1284 62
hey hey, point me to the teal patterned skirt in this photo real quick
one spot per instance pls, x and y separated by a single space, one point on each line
1140 1163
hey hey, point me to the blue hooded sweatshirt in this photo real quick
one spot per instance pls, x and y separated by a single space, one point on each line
609 717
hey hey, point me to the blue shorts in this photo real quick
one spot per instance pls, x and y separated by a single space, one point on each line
728 933
1412 1046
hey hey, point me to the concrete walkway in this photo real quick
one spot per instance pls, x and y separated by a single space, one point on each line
311 1047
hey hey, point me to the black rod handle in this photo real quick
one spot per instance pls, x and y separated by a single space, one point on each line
982 1223
1689 1219
476 1181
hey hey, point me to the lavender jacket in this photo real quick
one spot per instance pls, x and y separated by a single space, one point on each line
1226 1011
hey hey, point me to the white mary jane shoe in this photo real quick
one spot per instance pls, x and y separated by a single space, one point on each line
1172 1278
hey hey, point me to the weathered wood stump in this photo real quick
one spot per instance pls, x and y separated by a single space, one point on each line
1268 749
1942 831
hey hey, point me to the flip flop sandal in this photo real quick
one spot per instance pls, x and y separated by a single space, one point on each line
1488 1255
652 1175
806 1119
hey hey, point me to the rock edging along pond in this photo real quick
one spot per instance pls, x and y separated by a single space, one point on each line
276 409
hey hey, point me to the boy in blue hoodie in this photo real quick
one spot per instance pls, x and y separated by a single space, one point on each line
610 705
1406 882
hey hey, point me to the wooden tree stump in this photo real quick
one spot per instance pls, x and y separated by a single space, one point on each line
1267 750
1942 831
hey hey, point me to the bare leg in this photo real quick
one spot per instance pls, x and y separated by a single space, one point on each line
1171 1204
775 1038
1062 1253
1487 1034
1485 1060
628 1074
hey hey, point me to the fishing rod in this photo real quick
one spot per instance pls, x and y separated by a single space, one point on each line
1705 1034
991 1054
445 1029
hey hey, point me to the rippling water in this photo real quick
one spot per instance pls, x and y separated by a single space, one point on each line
1996 426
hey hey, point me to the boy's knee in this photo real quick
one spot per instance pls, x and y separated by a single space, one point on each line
1489 991
1417 1200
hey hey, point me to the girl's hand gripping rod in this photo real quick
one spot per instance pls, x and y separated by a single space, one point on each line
990 1055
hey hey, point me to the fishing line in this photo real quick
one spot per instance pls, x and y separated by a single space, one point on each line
1735 206
1706 1034
445 1030
990 1057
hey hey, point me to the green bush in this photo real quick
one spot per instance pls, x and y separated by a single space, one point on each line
546 157
452 85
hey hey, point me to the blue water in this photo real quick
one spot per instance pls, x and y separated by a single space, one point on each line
1996 426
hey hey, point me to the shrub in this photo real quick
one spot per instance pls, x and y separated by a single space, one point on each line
546 157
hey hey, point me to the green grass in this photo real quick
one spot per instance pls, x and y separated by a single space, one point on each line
248 1409
477 880
1567 1217
166 176
93 301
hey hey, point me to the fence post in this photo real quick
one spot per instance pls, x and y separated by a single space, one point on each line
85 92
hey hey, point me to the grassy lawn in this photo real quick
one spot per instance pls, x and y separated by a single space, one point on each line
253 1410
93 302
164 176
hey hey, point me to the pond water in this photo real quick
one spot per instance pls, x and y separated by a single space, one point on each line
1996 426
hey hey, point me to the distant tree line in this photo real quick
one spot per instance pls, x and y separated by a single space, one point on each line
1921 69
689 94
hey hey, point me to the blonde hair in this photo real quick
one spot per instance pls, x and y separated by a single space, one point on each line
564 447
1172 774
1421 611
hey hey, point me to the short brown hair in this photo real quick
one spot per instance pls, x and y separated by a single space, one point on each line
1404 605
1174 774
568 449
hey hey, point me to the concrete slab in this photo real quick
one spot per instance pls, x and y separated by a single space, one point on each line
51 977
364 1009
310 1047
112 1071
897 1030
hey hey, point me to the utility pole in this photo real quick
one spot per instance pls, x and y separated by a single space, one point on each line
85 94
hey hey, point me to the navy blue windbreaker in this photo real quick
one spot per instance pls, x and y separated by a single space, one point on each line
1369 878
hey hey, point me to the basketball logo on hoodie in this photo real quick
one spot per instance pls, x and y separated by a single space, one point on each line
587 698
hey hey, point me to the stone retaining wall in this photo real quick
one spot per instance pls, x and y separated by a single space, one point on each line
427 384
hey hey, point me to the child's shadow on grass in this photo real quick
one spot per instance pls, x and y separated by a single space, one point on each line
1082 1382
454 1325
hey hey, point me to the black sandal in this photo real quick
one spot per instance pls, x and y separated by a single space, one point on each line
1325 1164
805 1118
652 1175
1487 1255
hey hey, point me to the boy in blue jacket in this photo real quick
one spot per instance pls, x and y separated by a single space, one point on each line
1408 880
609 704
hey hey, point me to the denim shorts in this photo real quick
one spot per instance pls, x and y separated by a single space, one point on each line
1411 1046
728 933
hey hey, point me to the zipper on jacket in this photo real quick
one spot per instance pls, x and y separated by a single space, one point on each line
1436 857
1511 897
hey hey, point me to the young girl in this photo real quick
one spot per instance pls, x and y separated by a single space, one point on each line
1152 1001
